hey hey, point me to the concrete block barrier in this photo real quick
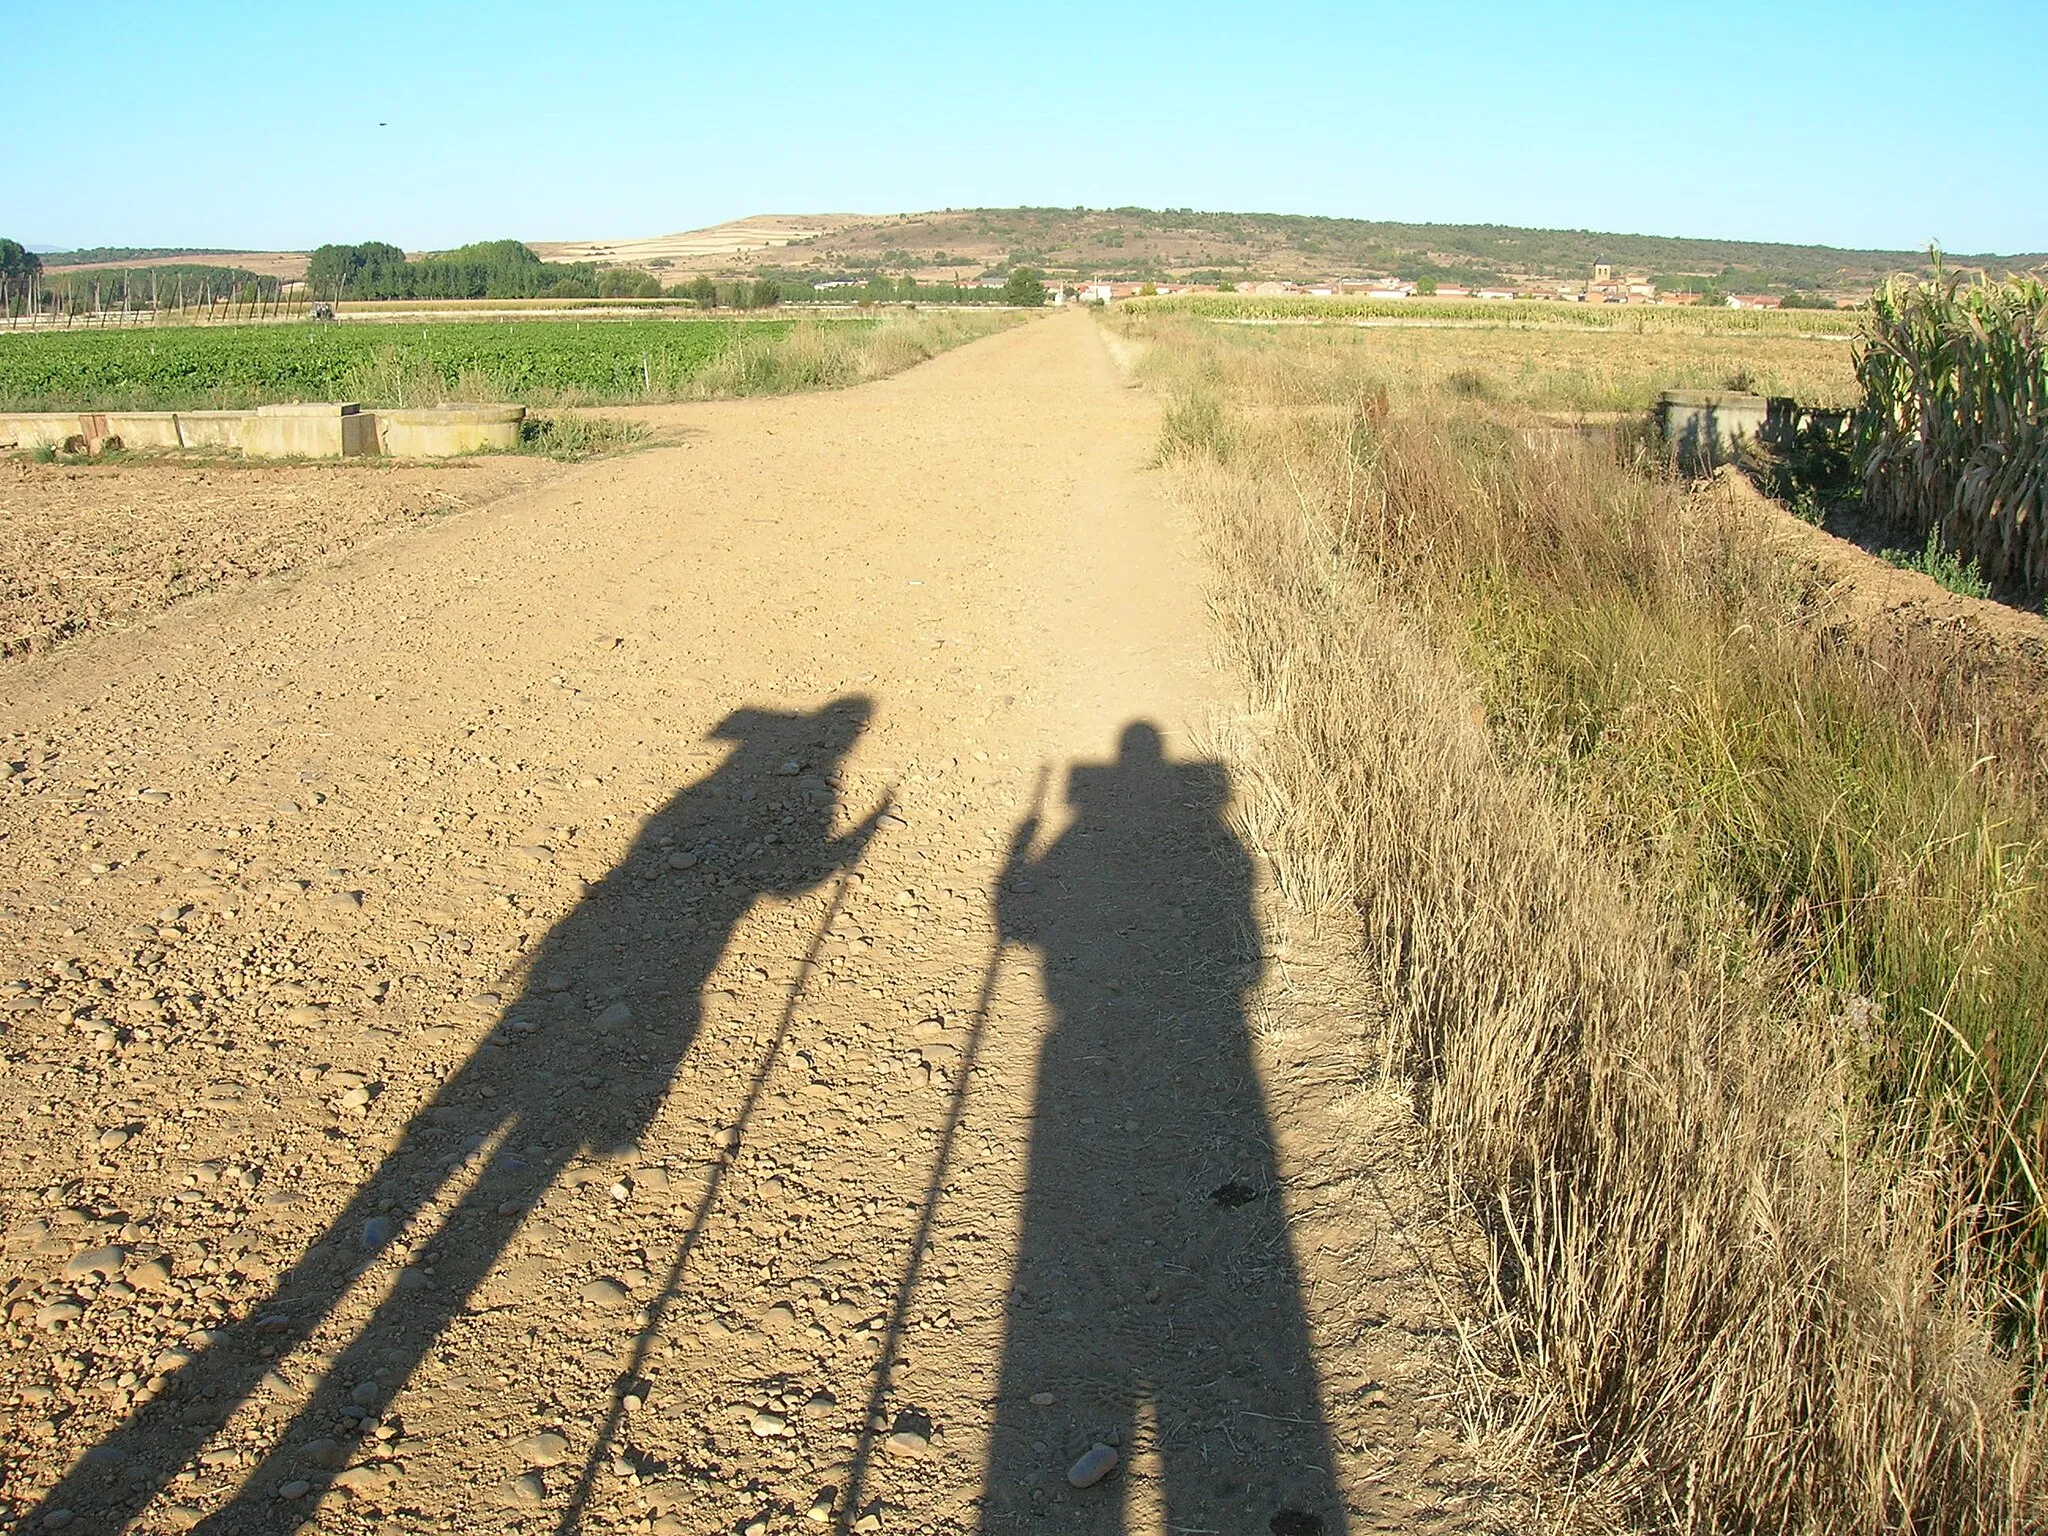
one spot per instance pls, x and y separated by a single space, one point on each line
313 431
446 430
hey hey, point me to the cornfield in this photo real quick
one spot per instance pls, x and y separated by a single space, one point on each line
1955 420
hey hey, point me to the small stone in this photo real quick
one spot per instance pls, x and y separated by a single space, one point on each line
297 1488
376 1232
1042 1399
104 1262
366 1479
57 1519
115 1139
324 1453
58 1313
366 1394
779 1318
615 1017
1096 1463
526 1488
608 1294
305 1016
542 1448
183 1517
769 1425
357 1097
727 1137
682 861
867 1523
907 1442
150 1275
820 1512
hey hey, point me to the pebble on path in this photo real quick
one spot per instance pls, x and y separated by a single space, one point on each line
542 1448
1096 1463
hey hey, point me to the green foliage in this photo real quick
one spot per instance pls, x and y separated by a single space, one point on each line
1806 301
99 255
1949 573
488 269
17 263
627 283
577 437
1024 287
228 366
157 287
1955 420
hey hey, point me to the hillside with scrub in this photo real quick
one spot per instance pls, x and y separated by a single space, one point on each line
1189 245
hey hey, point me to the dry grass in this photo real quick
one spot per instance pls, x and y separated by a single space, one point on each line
1710 942
822 354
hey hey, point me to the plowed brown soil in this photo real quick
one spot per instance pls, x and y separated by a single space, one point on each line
716 992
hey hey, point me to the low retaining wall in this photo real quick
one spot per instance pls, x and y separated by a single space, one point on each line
317 431
449 430
1708 430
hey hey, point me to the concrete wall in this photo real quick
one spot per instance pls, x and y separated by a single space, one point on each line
1709 429
433 434
318 431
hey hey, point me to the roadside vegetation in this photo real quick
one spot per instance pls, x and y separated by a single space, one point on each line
534 362
556 436
1955 378
1711 931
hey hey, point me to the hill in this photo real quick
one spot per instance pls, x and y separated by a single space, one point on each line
1142 243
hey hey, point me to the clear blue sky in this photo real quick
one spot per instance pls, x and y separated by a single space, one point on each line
1859 124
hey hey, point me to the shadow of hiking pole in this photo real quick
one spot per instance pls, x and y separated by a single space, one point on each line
956 1110
495 1135
572 1513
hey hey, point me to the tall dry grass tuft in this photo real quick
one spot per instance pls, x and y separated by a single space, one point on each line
1551 731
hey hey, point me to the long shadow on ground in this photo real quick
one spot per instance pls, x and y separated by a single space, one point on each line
1154 1322
768 811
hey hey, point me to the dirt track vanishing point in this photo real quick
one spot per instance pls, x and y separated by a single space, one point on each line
718 992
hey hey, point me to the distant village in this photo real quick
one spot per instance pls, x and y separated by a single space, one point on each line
1605 286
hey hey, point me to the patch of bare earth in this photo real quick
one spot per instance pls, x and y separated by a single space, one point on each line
85 547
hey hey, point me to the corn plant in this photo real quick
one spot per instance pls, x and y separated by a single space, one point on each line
1954 420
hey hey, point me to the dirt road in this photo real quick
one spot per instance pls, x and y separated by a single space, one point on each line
715 993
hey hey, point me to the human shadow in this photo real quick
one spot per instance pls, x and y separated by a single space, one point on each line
514 1116
1156 1305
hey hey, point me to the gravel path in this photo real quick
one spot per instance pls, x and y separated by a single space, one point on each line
716 992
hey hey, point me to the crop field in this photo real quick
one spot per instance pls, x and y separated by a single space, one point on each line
536 362
1557 370
1641 319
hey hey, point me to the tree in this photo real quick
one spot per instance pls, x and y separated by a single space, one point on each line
703 291
335 268
627 283
1023 287
17 263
